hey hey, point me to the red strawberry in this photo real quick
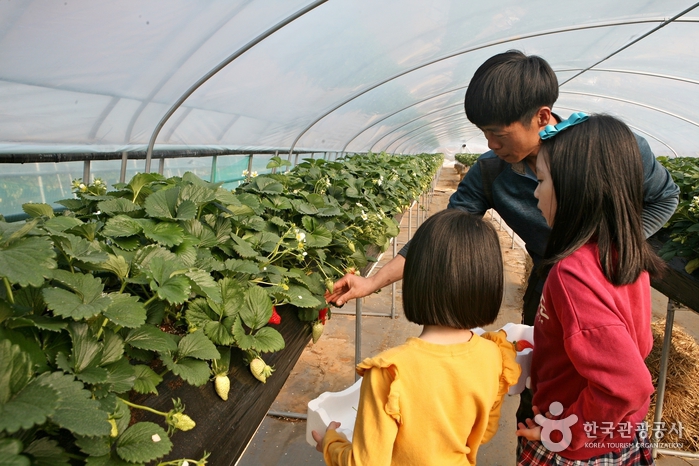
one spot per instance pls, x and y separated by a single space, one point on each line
276 318
323 314
521 345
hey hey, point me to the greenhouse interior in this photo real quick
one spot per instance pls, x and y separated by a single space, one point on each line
182 184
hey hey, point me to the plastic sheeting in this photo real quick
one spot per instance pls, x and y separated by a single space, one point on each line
91 76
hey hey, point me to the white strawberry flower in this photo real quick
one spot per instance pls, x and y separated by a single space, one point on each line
364 216
246 173
300 236
253 174
694 205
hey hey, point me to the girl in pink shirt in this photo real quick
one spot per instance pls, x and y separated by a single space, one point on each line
592 329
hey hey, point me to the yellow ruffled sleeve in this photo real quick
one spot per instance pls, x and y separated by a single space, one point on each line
509 376
378 416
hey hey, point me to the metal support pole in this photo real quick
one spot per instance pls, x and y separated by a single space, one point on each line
250 165
274 169
124 161
161 166
214 161
664 358
86 172
393 285
358 336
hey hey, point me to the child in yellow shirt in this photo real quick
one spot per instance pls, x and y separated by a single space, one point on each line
435 399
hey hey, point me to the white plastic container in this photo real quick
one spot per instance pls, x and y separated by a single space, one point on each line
524 358
342 406
333 406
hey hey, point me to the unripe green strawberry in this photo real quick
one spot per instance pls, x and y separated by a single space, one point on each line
318 327
223 386
329 284
260 369
182 422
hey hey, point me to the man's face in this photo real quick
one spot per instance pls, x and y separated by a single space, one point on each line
514 142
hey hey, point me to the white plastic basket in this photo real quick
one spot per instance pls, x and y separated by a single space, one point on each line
333 406
342 406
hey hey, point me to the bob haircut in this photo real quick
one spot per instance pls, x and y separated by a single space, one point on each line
453 273
597 175
510 87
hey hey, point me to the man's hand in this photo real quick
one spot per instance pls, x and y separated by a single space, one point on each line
349 287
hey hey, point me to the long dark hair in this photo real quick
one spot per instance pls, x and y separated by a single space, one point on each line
453 274
597 175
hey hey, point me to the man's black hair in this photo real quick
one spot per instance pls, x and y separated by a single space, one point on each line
510 87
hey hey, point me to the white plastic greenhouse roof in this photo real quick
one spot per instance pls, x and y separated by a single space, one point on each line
89 76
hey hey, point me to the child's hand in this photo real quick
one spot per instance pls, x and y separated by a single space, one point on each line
531 431
319 437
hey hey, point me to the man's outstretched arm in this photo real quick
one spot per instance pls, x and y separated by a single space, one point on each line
351 286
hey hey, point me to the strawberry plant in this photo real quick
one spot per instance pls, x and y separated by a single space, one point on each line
467 159
166 275
683 226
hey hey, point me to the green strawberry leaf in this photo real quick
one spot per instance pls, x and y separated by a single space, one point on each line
196 345
205 235
46 452
121 226
62 223
198 195
30 406
193 371
117 206
163 204
220 332
15 370
146 380
27 261
151 338
204 284
143 442
257 308
168 234
10 450
300 296
243 248
84 299
242 266
170 286
77 411
113 348
86 348
126 310
94 446
80 249
38 210
120 376
268 340
242 339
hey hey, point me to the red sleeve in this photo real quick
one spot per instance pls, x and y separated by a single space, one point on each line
602 352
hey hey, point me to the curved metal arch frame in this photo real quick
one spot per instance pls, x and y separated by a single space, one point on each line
438 134
608 70
397 112
663 22
635 128
463 129
412 121
429 123
632 102
219 67
639 38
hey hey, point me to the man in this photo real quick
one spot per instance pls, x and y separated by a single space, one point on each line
510 98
